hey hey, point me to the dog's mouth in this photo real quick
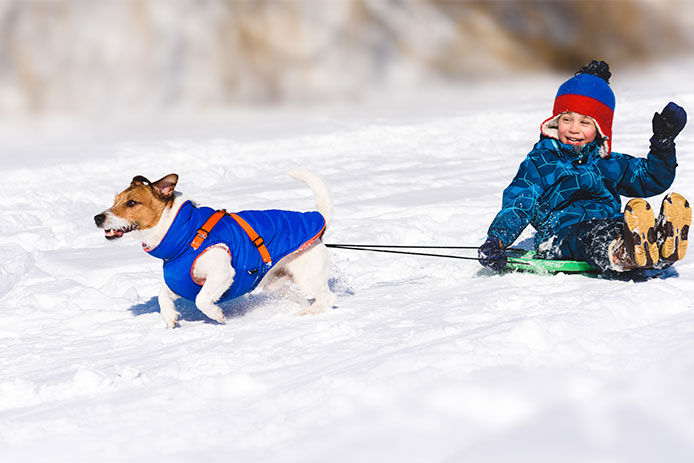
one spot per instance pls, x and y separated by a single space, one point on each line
112 234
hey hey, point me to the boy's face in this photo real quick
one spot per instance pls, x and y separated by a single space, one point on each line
576 129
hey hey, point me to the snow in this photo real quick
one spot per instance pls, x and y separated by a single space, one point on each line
423 360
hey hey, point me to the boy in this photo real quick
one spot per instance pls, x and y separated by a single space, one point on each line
569 186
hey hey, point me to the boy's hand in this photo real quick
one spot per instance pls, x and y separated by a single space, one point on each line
491 254
666 126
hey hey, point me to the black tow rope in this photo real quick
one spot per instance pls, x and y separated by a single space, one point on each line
389 249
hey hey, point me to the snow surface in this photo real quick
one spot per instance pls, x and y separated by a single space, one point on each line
423 360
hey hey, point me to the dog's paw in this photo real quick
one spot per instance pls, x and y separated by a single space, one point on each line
213 312
320 304
219 318
171 319
313 309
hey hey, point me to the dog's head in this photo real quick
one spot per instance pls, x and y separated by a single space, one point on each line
138 207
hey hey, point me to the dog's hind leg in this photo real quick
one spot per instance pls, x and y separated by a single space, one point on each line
214 267
276 279
166 306
310 273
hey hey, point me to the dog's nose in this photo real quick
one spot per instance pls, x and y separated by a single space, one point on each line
99 219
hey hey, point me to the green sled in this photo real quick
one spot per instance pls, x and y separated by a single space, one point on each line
525 261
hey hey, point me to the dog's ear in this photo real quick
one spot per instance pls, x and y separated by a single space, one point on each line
164 187
140 180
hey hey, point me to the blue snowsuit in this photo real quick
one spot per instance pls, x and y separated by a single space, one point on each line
283 232
564 195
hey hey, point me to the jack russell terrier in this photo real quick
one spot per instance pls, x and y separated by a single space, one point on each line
213 256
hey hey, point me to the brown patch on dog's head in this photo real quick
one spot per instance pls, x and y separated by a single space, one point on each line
139 206
143 202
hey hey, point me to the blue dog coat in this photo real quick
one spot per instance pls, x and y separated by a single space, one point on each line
282 231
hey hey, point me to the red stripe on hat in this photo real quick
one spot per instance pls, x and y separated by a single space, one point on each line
587 106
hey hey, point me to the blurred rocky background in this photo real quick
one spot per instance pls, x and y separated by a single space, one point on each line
82 55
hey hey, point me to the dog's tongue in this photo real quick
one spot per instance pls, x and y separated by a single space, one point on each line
110 234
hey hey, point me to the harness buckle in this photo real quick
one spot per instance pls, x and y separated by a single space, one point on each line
203 232
200 236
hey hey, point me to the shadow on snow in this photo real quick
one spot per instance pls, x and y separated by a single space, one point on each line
234 308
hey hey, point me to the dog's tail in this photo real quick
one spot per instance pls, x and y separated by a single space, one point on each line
324 200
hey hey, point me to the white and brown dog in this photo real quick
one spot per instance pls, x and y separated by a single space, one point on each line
211 256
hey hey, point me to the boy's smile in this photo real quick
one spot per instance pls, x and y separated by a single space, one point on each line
576 129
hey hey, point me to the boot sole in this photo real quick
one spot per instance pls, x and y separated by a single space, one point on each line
640 237
675 218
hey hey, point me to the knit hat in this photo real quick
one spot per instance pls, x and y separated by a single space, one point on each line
588 92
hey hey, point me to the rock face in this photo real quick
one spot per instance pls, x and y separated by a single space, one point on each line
82 55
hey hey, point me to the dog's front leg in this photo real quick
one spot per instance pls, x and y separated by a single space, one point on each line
166 306
214 267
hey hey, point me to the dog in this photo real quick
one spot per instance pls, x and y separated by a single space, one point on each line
211 256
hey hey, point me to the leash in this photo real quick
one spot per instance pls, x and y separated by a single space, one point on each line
203 232
390 249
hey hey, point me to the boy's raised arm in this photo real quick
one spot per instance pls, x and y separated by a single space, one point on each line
654 174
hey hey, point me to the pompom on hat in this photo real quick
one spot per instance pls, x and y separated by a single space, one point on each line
588 92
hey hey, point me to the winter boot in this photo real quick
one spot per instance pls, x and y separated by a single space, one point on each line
672 227
618 256
636 247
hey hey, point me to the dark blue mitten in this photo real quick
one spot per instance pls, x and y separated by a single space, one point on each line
491 254
666 126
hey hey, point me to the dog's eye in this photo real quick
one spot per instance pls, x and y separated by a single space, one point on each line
131 203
